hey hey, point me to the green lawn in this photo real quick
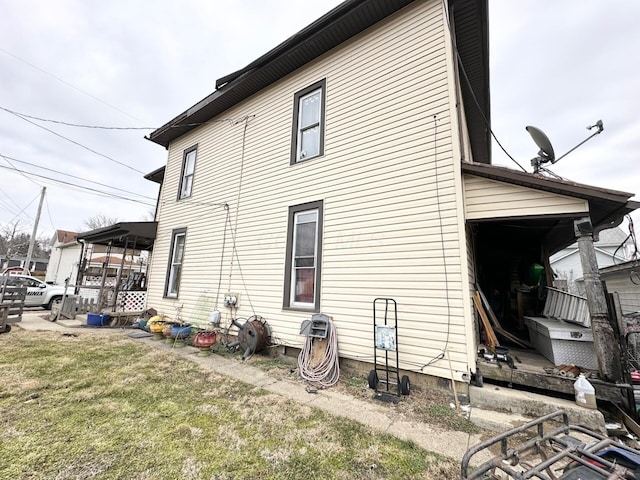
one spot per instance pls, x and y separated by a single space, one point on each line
102 406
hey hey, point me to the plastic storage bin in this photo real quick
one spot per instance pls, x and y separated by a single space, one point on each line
97 319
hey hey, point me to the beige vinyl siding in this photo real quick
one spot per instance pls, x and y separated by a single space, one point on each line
486 198
384 199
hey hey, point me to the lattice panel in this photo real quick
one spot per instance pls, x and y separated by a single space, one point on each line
131 301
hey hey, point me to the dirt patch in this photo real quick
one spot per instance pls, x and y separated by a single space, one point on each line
432 406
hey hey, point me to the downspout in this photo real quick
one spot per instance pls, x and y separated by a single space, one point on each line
78 280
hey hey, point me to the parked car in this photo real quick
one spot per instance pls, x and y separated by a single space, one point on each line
39 294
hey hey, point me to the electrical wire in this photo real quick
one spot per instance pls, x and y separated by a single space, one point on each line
74 176
60 122
327 371
224 241
230 121
442 246
20 212
76 143
46 203
235 253
6 159
70 85
473 95
89 189
9 208
234 230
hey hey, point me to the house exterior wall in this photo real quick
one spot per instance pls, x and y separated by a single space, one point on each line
612 248
628 292
486 198
391 188
63 264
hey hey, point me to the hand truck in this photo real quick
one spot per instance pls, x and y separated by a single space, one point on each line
385 338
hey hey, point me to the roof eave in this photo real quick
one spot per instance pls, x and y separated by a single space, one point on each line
340 24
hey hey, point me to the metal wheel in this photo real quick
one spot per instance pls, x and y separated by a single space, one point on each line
372 379
405 385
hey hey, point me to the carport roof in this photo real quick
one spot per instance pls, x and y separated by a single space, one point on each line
606 207
139 235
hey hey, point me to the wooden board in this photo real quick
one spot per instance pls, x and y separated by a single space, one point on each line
497 327
492 340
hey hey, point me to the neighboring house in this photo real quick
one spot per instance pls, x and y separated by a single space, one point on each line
37 266
624 278
352 162
65 258
612 248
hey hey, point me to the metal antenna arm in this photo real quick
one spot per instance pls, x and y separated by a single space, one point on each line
597 125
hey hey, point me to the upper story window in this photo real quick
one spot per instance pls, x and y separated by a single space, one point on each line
176 257
304 248
307 139
188 171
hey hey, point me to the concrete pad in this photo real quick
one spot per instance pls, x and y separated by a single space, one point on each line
532 405
496 421
33 320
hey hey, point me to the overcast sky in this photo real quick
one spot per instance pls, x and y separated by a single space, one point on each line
557 65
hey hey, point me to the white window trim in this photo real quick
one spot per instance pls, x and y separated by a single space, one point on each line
292 293
296 138
186 175
171 274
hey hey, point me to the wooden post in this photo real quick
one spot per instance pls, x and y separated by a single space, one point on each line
604 339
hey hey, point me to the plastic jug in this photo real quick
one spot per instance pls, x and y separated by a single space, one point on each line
585 393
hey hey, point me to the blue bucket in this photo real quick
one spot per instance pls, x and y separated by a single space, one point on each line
97 319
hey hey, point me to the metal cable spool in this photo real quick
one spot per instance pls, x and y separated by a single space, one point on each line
253 336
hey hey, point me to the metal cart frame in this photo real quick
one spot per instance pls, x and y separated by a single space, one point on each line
550 448
385 339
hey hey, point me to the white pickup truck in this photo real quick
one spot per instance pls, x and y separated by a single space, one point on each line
39 294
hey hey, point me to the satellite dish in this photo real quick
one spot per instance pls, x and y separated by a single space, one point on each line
544 144
546 153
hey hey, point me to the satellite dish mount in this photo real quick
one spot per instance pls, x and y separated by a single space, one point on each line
546 153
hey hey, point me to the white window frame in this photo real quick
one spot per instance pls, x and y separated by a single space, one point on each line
188 172
298 129
295 215
173 274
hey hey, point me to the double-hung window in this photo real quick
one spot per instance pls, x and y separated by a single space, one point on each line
188 171
304 242
176 257
307 139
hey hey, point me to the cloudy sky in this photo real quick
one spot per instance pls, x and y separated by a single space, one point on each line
557 65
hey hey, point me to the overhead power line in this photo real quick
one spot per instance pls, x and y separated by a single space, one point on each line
89 189
230 121
74 142
70 85
60 122
74 176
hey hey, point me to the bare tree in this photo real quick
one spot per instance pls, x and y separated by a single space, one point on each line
99 221
14 243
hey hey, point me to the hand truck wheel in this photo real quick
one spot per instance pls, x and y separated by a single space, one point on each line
405 385
372 379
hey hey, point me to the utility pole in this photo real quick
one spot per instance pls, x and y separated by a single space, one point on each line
605 341
34 233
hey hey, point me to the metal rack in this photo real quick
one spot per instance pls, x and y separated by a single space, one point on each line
385 339
550 448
